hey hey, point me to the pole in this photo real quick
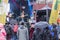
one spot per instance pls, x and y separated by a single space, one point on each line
47 18
47 15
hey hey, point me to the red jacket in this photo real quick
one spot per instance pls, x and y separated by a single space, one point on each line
15 28
31 33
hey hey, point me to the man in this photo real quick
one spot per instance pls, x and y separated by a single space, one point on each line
58 30
58 26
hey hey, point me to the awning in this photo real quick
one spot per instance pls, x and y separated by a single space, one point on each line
44 8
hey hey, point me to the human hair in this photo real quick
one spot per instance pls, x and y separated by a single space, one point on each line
59 13
22 23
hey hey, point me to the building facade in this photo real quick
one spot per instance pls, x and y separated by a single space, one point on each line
38 4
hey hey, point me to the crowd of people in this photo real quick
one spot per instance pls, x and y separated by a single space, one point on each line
20 30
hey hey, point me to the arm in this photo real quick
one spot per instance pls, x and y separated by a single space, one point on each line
18 34
27 35
4 32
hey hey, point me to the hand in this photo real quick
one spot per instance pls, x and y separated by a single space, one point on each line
22 16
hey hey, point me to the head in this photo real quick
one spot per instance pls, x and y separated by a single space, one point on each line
10 15
32 25
54 25
22 23
7 23
59 13
57 23
47 28
16 23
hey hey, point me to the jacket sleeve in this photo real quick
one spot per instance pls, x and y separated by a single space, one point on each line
33 36
27 35
18 33
4 32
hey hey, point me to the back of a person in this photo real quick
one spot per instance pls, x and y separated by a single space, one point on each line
37 35
9 31
22 35
55 32
58 29
22 32
46 35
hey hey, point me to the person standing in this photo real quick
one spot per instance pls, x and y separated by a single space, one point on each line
31 30
9 31
2 32
58 30
15 29
22 33
58 26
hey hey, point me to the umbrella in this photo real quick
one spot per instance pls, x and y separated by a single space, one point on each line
13 21
41 25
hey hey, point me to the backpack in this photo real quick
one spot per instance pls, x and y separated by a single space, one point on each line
51 30
46 34
15 28
37 34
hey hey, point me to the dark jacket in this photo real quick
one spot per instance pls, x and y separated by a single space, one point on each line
37 35
41 34
46 34
9 30
55 34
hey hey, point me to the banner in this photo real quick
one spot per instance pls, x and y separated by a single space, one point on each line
3 18
30 8
3 9
5 1
54 12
